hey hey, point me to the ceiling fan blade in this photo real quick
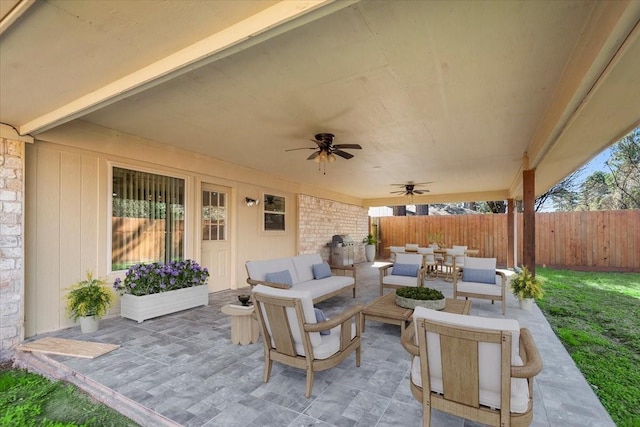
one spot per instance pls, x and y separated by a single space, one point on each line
397 192
303 148
418 192
319 143
313 156
348 146
343 154
420 183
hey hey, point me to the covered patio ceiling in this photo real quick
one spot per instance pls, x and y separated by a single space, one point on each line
454 93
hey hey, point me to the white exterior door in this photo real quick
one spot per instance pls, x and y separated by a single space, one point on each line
216 246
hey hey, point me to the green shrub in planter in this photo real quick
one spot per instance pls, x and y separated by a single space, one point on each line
420 293
89 297
525 285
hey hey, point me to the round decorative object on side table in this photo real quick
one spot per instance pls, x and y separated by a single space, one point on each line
409 297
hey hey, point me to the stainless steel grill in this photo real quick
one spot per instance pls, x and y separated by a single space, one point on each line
342 250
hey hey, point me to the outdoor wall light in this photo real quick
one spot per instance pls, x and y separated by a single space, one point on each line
251 202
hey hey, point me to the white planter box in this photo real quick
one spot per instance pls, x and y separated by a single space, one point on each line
141 308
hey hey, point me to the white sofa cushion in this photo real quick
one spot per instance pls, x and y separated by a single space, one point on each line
488 355
258 269
320 287
304 266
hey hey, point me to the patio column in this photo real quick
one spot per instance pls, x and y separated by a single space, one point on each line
510 232
529 220
12 160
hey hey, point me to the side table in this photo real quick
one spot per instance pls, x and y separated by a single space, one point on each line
244 328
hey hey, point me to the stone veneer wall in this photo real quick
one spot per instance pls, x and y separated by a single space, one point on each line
320 219
11 245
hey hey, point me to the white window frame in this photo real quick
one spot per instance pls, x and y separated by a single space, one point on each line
264 211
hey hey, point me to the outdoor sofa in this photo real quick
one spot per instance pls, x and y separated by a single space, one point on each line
302 272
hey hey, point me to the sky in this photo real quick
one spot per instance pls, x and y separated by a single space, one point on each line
597 164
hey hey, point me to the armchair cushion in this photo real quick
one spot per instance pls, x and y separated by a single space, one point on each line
410 270
307 308
321 271
479 275
280 277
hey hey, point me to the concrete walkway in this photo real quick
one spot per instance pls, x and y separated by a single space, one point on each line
182 369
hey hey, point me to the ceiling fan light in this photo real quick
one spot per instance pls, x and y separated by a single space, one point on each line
323 156
316 159
331 158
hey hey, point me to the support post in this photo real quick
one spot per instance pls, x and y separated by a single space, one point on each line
529 220
511 244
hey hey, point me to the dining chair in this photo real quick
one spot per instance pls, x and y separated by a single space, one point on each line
429 261
453 263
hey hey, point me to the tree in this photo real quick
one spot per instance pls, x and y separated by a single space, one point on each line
624 165
595 193
563 194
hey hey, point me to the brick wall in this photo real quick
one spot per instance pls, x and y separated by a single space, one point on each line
11 245
320 219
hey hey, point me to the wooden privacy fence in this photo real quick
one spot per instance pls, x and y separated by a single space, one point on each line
600 240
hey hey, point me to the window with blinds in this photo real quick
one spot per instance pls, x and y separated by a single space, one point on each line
148 212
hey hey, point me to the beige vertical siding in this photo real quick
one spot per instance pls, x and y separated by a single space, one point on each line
67 212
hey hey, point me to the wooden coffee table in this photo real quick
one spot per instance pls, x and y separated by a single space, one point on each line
384 309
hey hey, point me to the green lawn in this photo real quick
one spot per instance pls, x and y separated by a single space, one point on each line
597 318
27 400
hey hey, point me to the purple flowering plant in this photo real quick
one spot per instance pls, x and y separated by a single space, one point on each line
145 279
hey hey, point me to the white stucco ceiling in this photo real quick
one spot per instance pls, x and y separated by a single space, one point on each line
449 92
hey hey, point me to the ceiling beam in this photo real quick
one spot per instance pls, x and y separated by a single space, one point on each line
280 18
16 12
608 27
439 198
605 36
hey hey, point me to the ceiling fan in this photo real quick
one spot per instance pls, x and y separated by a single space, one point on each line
326 150
410 188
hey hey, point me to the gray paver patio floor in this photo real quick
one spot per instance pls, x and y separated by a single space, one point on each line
184 367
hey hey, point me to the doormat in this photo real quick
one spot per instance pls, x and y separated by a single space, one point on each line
66 347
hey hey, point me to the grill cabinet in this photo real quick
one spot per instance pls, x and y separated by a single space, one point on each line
342 250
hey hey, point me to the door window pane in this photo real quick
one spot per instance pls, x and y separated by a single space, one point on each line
214 215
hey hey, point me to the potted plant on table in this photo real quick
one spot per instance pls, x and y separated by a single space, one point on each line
370 243
155 289
412 297
526 287
89 300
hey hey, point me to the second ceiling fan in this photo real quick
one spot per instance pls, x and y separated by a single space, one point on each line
410 188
